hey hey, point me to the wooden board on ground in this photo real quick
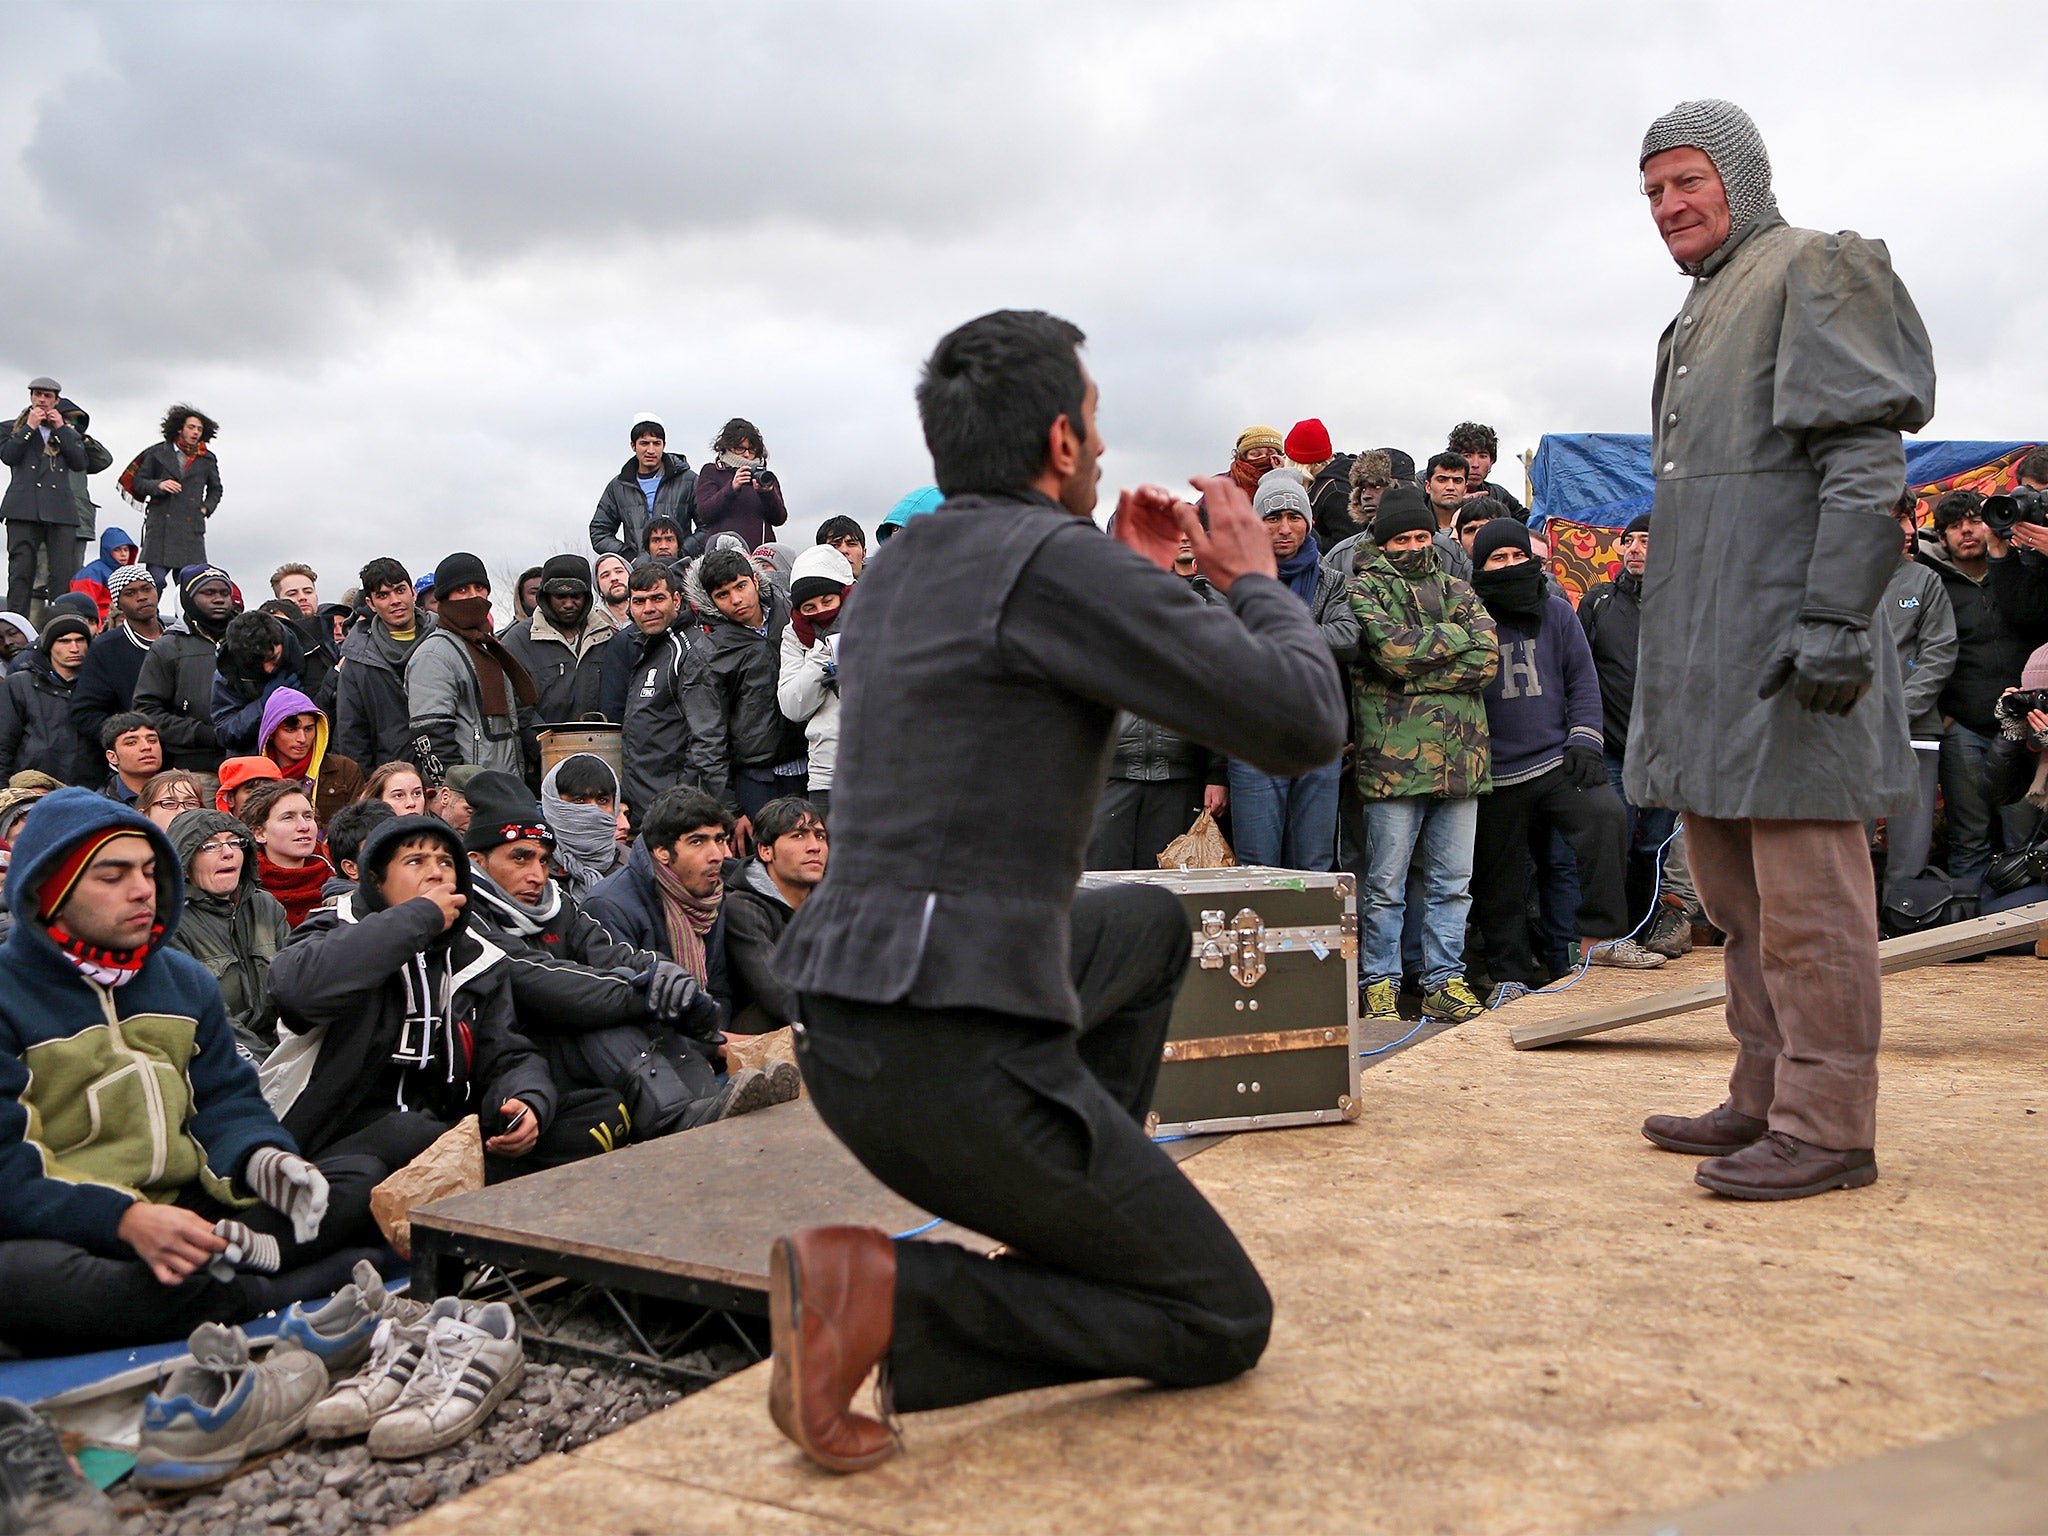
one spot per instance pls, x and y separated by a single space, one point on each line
1957 941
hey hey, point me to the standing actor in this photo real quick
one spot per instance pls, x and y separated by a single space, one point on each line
985 1043
1768 705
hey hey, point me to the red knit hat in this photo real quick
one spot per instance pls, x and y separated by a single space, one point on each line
1309 443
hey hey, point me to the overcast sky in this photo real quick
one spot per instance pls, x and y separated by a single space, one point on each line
427 263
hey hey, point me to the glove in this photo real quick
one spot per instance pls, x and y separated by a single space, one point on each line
247 1249
672 992
1829 665
289 1185
1585 767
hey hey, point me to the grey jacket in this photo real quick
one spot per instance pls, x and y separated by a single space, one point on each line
446 704
1782 387
1922 622
619 525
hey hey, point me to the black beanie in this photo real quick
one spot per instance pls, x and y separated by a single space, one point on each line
1402 510
501 810
1640 523
565 568
459 570
62 625
1498 534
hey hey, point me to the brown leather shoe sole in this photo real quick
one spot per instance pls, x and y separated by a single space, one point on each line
1848 1178
1699 1148
786 1372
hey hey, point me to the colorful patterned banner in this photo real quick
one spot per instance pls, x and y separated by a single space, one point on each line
2000 474
1582 555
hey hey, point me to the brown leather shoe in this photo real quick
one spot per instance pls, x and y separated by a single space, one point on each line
831 1309
1720 1130
1782 1167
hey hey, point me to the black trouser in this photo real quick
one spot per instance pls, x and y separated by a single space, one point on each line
58 544
1136 818
1031 1132
1596 827
821 801
60 1299
755 787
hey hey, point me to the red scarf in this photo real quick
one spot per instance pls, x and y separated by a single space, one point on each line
108 967
298 889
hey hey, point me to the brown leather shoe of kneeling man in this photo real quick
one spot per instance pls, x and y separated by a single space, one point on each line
1782 1167
831 1309
1720 1130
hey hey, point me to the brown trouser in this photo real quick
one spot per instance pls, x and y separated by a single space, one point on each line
1798 902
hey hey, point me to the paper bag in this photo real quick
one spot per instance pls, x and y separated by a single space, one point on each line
453 1165
760 1051
1200 847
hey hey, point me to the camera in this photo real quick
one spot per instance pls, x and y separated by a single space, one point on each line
2022 504
2012 710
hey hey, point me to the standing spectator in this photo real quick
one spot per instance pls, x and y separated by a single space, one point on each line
1922 623
1257 450
737 493
1291 823
467 694
40 508
35 709
293 735
924 500
613 571
1425 655
178 481
1328 476
1989 656
1444 484
674 728
289 863
175 686
1479 447
423 595
232 925
761 895
372 718
1372 472
134 757
664 537
561 645
526 593
97 458
297 584
742 665
117 548
113 665
807 685
845 535
652 482
259 654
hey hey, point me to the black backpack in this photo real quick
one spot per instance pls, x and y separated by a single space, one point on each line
1929 900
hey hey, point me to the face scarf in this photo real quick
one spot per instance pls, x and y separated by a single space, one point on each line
108 967
688 918
1298 570
297 889
808 630
586 836
1412 563
1513 595
469 620
741 461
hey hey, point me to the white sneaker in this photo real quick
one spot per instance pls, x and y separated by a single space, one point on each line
464 1372
1625 955
357 1403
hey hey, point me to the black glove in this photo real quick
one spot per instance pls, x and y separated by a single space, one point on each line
1829 665
1585 767
672 992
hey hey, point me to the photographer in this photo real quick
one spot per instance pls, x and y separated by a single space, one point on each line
41 507
2018 575
1922 624
737 494
2015 771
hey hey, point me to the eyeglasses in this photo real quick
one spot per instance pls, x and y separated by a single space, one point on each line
220 843
182 802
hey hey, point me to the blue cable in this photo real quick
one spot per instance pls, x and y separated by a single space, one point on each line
1503 996
1383 1049
918 1231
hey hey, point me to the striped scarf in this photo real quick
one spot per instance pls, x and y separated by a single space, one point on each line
687 918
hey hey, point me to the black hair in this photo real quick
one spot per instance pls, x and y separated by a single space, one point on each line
1908 504
247 643
722 567
647 429
661 522
2034 466
586 776
383 572
1956 506
649 574
120 725
1478 509
780 817
989 396
176 417
531 573
352 826
739 430
680 810
1439 461
841 528
283 609
1473 436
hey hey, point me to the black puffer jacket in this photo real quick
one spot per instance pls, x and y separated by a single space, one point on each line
619 526
1611 614
36 729
1329 495
174 691
1151 754
1989 654
674 729
745 668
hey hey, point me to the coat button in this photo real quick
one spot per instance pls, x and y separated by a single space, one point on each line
1669 466
1681 370
1672 419
1688 319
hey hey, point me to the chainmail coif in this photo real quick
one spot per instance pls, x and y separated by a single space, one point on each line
1723 132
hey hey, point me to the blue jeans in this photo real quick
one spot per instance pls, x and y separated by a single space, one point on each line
1442 832
1286 823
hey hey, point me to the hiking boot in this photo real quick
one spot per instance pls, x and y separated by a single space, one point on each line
340 1332
356 1404
1719 1131
214 1413
1452 1001
745 1091
464 1371
40 1490
1670 931
785 1081
1782 1167
1382 1002
1624 955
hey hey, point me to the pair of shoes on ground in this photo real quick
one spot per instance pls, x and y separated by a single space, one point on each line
752 1088
429 1380
1670 932
1624 955
1747 1160
40 1490
340 1332
1451 1000
212 1414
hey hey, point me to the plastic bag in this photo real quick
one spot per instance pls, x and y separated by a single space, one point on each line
453 1165
760 1051
1200 847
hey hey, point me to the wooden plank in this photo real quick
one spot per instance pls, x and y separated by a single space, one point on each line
1978 936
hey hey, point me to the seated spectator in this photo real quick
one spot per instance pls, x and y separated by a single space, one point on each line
742 663
761 895
844 535
407 1017
36 731
372 718
134 756
289 863
232 926
561 643
807 682
737 493
450 802
652 483
113 662
294 736
117 548
169 795
139 1204
398 785
259 654
240 775
346 834
670 896
580 802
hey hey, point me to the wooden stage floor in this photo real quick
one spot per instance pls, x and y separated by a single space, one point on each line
1500 1309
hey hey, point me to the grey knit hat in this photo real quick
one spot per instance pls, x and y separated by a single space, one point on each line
1723 132
1280 489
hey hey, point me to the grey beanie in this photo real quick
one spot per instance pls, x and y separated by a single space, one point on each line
1723 132
1280 489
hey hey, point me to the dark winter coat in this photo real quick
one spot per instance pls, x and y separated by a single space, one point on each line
107 681
1329 497
1988 655
36 729
1611 614
745 669
234 937
1922 622
174 691
39 488
619 526
1544 698
372 718
1149 753
674 726
748 510
755 915
565 673
238 698
627 904
174 526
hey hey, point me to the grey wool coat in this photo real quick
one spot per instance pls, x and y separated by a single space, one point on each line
1782 387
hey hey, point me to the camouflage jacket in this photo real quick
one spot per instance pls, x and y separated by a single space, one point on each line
1426 650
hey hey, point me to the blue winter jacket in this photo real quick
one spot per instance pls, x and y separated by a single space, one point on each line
1544 698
